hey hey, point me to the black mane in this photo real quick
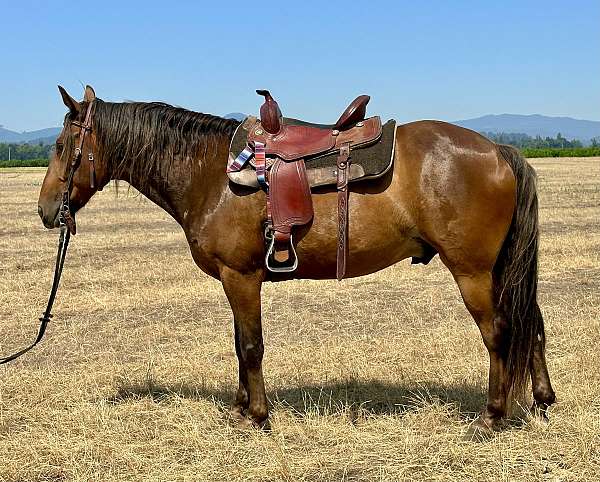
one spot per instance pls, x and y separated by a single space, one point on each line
149 139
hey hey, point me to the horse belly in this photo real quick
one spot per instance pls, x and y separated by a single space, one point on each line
380 234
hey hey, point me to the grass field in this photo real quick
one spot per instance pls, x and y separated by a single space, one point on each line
133 379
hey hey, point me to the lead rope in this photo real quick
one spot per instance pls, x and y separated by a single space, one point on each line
67 226
63 243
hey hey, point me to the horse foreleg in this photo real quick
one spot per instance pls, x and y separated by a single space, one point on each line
477 294
243 293
240 405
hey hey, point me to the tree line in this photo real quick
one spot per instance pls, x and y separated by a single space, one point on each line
25 152
538 142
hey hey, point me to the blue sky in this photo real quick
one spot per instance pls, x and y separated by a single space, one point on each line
447 60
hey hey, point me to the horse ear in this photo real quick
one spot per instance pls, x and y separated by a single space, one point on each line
89 95
72 104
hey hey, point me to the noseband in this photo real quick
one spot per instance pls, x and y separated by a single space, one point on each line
67 227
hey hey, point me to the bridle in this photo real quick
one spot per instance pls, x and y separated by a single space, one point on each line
65 216
67 226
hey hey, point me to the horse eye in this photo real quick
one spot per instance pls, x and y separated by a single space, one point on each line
59 147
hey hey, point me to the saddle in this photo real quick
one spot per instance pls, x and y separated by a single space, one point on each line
281 149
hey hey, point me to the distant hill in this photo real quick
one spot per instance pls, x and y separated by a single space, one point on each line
534 125
235 115
43 135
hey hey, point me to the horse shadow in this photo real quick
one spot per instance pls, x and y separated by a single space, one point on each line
353 396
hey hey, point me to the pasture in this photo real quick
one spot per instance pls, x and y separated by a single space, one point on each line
134 377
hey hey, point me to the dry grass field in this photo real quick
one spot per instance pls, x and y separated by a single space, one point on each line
376 378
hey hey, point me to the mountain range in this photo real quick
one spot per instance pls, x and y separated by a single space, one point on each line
45 136
532 125
236 115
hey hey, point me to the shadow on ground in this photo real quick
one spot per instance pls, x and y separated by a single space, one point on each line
372 397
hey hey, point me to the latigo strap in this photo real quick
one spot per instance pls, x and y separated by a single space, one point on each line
343 163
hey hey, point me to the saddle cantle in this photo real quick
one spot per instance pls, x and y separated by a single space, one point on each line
289 156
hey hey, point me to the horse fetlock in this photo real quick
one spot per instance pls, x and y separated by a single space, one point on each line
258 411
544 395
241 398
494 412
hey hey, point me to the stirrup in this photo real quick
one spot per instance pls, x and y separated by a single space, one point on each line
281 269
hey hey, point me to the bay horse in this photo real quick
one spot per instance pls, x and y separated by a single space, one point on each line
451 191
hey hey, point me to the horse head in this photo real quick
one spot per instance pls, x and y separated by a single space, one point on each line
75 154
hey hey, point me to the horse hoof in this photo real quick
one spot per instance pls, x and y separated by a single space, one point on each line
539 415
237 414
243 422
479 431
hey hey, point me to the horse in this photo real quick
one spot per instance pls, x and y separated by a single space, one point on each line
450 192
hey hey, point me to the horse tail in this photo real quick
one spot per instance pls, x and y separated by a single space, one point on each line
516 274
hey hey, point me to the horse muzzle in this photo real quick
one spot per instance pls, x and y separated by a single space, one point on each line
49 218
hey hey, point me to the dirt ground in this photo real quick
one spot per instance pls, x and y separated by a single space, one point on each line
376 378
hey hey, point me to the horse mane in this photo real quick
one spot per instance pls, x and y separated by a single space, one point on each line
150 139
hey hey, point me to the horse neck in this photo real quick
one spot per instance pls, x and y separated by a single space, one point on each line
189 185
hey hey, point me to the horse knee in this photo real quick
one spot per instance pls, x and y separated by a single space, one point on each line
252 354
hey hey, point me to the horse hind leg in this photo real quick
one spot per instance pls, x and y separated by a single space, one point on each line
477 292
543 393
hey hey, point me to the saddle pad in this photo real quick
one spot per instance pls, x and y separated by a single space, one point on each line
367 162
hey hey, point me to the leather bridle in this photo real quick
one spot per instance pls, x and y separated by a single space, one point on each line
65 215
67 226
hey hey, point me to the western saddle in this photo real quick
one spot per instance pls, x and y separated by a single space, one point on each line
280 148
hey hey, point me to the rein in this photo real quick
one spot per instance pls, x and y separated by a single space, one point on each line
67 227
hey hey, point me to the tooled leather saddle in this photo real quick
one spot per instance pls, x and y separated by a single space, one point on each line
280 148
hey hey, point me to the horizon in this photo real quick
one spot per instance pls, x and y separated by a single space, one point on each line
447 62
2 126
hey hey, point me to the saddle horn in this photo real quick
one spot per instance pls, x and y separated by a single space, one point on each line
270 114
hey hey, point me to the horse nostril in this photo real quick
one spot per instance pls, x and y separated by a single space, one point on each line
40 211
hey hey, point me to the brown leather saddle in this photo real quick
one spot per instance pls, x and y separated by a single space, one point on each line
280 148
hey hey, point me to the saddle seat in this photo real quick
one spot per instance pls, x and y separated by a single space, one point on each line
271 114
